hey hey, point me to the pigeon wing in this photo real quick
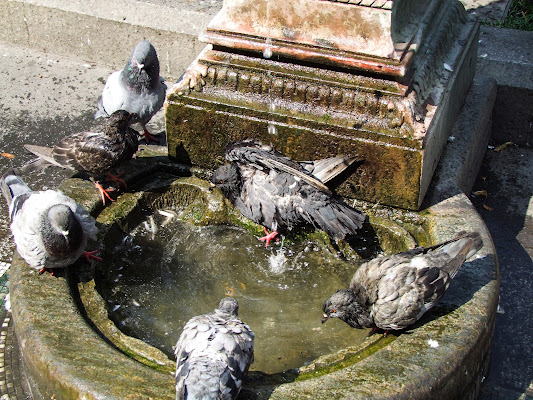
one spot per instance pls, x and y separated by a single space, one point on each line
327 169
89 152
252 153
213 354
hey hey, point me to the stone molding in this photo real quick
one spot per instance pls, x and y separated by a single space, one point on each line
385 4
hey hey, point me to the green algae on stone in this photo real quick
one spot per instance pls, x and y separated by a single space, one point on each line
95 307
345 357
83 191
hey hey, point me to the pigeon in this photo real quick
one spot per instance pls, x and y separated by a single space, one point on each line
94 153
213 354
270 189
136 88
393 292
50 229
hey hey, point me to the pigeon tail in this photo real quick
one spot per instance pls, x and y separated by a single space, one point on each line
339 220
15 192
12 186
462 247
327 169
101 113
46 158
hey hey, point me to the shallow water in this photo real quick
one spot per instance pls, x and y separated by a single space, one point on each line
161 276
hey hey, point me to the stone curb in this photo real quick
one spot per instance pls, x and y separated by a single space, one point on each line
100 31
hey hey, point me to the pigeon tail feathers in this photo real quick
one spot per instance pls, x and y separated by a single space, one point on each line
13 185
339 220
101 113
462 247
327 169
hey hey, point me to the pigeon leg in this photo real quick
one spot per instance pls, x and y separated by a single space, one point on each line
91 255
268 237
149 137
116 179
49 270
376 330
103 192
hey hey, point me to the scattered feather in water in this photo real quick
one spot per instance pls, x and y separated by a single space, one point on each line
150 226
169 214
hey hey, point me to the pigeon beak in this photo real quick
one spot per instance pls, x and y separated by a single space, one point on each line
139 65
325 317
211 186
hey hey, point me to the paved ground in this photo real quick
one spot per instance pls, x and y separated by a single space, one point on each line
507 209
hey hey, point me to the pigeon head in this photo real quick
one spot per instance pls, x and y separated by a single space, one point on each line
62 231
343 305
228 179
121 119
142 68
229 305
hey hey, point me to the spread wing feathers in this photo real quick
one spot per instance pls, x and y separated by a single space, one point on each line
403 286
336 218
261 157
328 168
277 201
15 192
213 355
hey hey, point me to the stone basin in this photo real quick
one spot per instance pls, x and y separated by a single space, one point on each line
71 349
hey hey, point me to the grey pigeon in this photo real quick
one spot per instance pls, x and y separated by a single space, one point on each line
213 354
49 228
94 153
136 88
393 292
281 194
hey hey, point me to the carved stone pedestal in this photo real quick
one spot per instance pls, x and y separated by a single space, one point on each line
379 79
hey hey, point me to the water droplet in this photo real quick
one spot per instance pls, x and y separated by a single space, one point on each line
278 262
267 52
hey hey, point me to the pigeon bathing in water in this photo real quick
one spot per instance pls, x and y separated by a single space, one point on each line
213 354
281 194
393 292
49 228
94 153
136 88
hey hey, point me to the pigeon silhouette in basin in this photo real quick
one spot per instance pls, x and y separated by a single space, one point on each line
50 229
213 354
137 88
393 292
270 189
94 153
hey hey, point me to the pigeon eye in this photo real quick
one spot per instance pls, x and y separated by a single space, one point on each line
334 311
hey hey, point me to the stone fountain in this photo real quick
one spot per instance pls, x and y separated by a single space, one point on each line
385 82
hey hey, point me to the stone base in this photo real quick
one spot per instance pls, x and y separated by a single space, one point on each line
309 112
